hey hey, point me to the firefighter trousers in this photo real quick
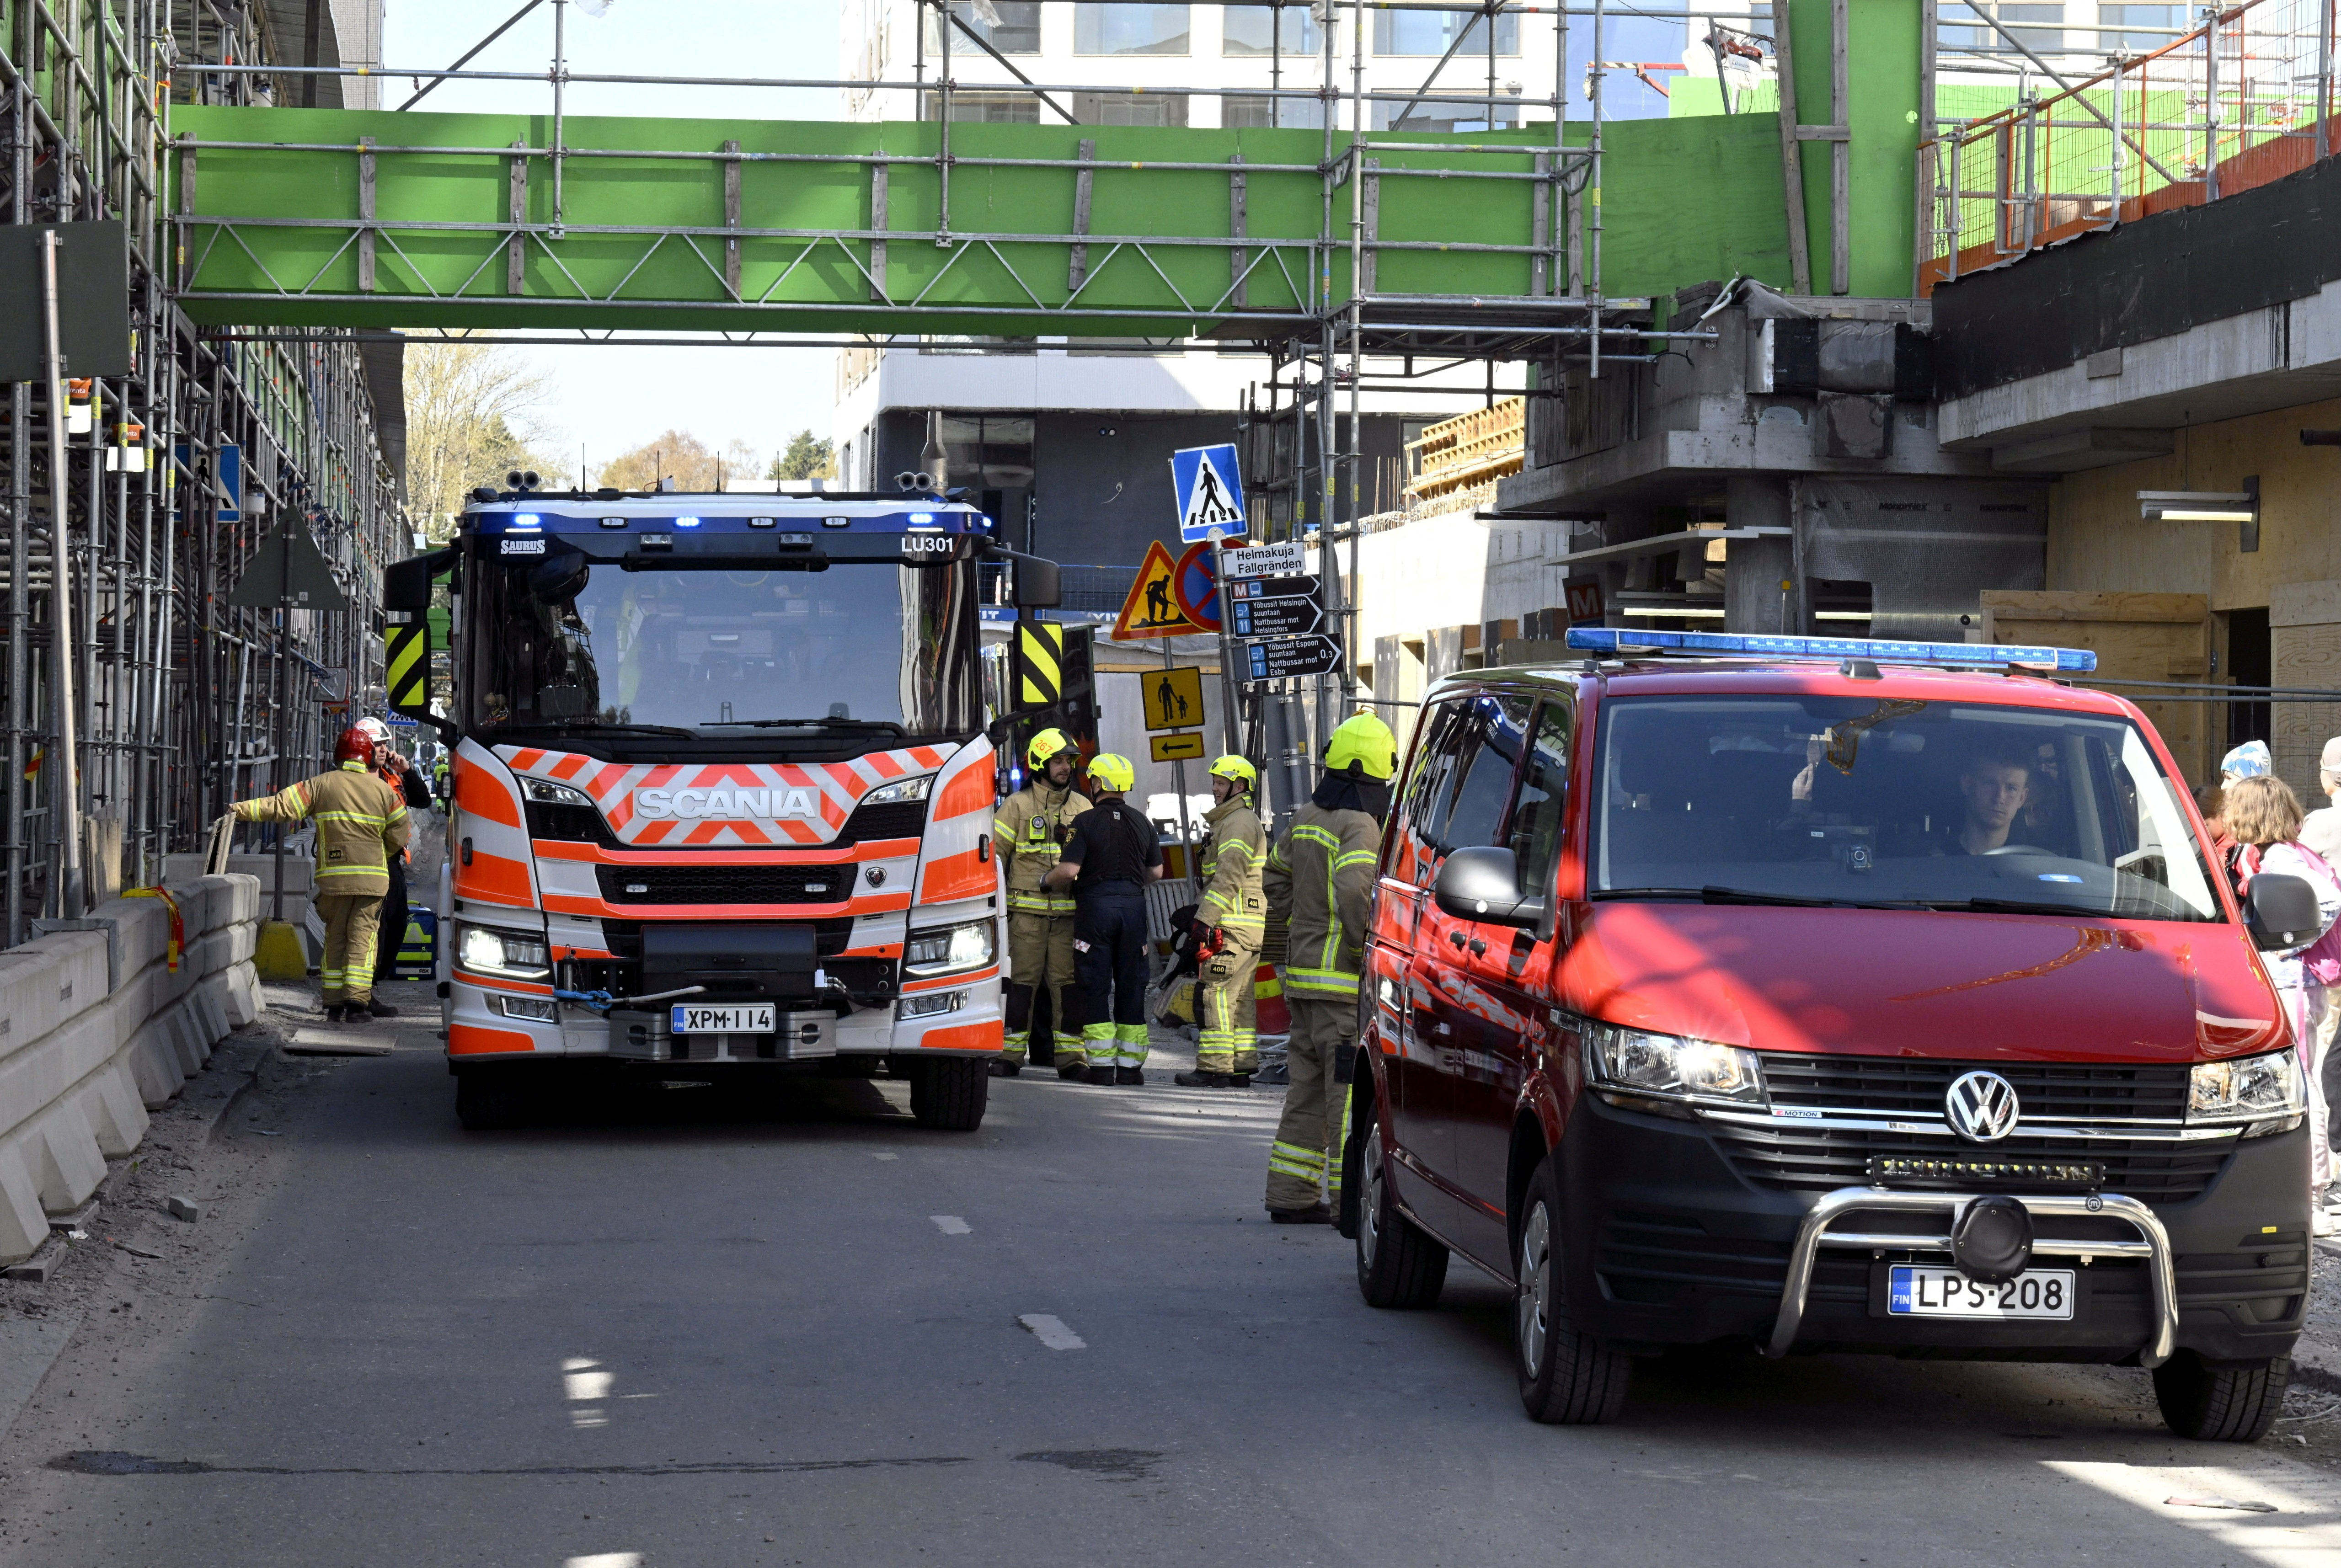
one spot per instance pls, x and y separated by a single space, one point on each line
1226 1040
1039 953
1305 1162
1110 956
352 926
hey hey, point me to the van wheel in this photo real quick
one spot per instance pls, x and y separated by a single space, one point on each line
488 1100
1399 1264
1567 1376
2223 1403
948 1093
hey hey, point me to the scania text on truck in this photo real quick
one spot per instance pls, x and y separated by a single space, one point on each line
721 791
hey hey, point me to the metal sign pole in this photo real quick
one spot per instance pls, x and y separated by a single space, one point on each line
1179 783
61 667
1230 701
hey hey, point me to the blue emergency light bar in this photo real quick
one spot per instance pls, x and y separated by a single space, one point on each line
1761 645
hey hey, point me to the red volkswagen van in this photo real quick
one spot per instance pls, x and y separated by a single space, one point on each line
1820 995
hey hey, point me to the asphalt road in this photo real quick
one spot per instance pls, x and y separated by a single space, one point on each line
690 1335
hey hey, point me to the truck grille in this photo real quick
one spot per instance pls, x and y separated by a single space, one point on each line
720 885
1814 1157
585 825
2046 1091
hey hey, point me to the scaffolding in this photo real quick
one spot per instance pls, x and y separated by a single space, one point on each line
173 474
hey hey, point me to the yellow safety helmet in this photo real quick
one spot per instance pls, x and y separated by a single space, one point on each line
1111 773
1237 769
1366 742
1045 745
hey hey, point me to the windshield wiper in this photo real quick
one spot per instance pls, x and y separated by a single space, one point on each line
595 727
2019 906
1711 895
886 724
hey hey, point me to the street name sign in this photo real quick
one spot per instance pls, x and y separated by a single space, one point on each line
1273 588
1210 493
1282 658
1286 558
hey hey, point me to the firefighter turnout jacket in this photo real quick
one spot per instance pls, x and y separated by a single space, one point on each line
361 823
1233 863
1320 881
1029 830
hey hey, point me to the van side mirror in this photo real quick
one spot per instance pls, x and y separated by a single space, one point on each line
2281 911
1482 883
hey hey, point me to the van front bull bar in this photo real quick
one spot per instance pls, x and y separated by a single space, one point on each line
1813 1233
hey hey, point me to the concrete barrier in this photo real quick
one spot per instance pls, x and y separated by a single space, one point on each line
96 1029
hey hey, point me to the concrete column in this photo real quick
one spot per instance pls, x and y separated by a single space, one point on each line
1754 568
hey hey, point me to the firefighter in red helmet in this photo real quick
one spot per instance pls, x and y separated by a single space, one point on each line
361 825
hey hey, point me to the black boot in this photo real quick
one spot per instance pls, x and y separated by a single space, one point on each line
1239 1080
1002 1067
376 1008
1315 1214
1102 1077
1127 1076
1199 1079
1074 1068
334 1013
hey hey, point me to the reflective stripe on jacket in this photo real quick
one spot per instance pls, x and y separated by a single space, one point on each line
361 823
1233 863
1320 880
1028 832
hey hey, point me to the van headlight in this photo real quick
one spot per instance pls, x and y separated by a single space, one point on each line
485 950
1669 1066
900 792
946 949
2264 1092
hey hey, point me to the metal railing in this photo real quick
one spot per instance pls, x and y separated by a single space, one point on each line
2245 98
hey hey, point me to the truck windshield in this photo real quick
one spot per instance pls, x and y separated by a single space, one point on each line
562 643
1895 802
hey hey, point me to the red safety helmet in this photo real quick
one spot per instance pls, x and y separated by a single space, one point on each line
355 746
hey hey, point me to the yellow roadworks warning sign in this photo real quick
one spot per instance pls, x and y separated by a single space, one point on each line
1039 662
1152 609
1174 697
1175 748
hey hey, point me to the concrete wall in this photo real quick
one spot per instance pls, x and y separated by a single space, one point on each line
81 1062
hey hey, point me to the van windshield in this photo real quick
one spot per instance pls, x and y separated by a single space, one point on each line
1895 802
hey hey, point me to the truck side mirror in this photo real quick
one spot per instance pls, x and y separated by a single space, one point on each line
1482 882
1039 585
2281 911
406 637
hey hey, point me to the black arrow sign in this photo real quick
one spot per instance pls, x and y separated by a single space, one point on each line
1277 616
1273 588
1277 659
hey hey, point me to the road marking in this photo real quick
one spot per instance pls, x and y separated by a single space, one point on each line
605 1560
885 1157
581 1379
951 1223
1050 1331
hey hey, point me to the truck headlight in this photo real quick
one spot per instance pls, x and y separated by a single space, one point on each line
900 792
2264 1092
485 950
1666 1065
552 794
946 950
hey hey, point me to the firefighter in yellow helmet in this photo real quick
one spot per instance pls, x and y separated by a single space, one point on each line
1320 880
1231 920
1115 852
1029 829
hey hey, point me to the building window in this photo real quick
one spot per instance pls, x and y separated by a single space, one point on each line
1248 30
989 451
2045 40
1010 26
1129 30
1131 108
988 108
2161 16
1430 32
1258 110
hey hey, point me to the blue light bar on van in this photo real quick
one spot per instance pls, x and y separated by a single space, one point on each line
1760 645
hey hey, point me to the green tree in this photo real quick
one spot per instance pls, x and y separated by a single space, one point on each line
806 457
472 415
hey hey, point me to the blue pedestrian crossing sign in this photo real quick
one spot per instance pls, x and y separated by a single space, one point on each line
1210 493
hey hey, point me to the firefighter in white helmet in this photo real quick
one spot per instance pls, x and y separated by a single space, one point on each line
1320 880
1231 921
1029 830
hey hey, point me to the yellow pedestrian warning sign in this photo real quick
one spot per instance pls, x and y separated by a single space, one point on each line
1152 609
1175 698
1176 748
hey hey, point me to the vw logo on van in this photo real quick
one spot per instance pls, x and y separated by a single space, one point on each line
1981 1107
